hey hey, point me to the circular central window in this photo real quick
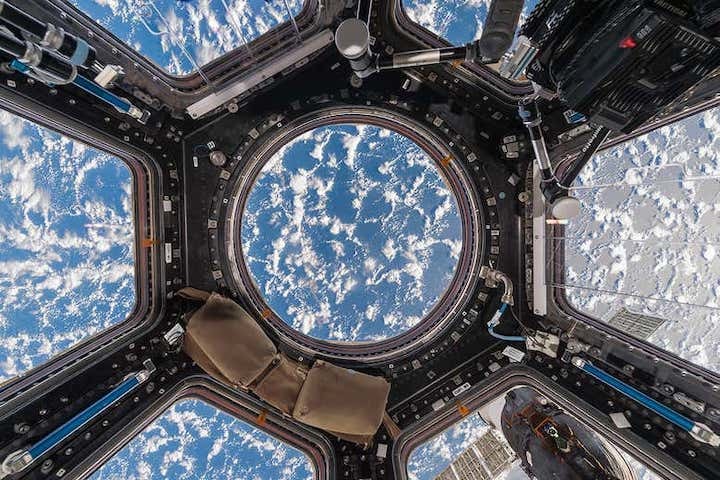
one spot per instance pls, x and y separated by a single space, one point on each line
351 233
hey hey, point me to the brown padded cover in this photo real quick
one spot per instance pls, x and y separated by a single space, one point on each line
223 335
196 353
281 386
226 342
341 400
193 294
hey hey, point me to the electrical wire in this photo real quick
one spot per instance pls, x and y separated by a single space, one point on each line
527 331
236 27
176 39
650 241
507 338
292 20
567 286
495 320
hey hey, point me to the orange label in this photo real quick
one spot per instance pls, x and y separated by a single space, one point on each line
260 420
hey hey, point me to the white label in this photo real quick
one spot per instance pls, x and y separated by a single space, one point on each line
462 388
381 450
438 404
168 253
513 354
620 420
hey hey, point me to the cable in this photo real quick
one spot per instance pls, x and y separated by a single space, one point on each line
177 40
652 241
508 338
524 328
568 286
512 311
496 320
236 27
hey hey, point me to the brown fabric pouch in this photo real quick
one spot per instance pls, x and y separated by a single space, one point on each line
196 353
341 400
192 293
225 340
281 386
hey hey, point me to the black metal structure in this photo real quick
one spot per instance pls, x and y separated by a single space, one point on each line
187 211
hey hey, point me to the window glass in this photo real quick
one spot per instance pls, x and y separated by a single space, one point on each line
180 36
458 21
66 243
351 233
482 446
195 440
643 254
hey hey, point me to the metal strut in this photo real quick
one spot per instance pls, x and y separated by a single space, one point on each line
352 39
353 42
56 58
697 430
120 104
562 206
19 460
74 49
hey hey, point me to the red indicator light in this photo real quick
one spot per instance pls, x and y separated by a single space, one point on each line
628 42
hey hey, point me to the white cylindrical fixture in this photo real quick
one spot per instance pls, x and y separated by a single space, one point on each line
565 208
352 38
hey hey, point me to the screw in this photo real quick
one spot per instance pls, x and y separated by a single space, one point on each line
22 428
46 466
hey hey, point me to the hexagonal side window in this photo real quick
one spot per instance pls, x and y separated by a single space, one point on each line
66 243
193 439
642 254
515 436
457 21
181 37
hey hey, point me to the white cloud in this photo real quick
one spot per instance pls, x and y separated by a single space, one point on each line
335 264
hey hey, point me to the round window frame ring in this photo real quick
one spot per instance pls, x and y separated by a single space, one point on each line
260 148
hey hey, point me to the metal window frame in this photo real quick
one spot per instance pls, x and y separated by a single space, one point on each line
561 310
149 276
307 20
456 177
239 405
425 37
522 376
